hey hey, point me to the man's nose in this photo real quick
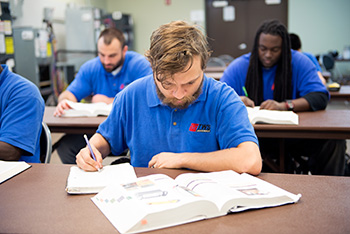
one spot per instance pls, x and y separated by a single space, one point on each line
268 53
179 93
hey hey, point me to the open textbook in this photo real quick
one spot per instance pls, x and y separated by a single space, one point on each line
83 182
158 201
87 109
272 116
9 169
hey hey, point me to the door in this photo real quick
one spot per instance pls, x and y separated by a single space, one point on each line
237 37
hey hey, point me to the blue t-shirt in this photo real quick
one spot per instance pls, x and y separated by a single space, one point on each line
140 122
21 114
93 79
304 76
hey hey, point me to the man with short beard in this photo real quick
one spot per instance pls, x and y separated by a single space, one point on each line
102 78
177 117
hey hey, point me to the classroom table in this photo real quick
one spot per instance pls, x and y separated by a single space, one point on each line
71 125
215 69
215 75
325 124
342 95
35 201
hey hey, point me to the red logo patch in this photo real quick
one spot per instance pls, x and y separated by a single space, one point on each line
193 127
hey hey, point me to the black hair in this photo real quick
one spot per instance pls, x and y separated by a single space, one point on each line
295 42
283 78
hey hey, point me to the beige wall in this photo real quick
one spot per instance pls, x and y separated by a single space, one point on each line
148 15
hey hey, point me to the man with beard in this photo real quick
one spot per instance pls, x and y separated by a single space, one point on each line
102 78
177 117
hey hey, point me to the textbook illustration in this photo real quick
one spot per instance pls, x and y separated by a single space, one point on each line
158 201
87 109
257 116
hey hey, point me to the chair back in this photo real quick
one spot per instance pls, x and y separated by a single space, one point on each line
45 144
327 61
226 58
215 62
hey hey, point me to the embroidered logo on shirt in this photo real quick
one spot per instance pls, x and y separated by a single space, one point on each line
122 86
199 127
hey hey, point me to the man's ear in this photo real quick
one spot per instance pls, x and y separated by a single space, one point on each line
125 49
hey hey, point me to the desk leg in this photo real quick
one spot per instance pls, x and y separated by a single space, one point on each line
282 154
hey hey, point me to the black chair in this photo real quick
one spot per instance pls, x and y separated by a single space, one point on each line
327 62
45 144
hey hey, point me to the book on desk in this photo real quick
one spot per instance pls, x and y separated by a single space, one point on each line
83 182
9 169
257 115
158 201
87 109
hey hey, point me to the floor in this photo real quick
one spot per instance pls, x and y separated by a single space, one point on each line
56 136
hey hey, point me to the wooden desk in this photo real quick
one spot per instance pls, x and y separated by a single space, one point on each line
342 94
72 125
326 124
214 69
215 75
35 202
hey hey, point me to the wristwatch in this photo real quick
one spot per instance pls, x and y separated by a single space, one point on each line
289 105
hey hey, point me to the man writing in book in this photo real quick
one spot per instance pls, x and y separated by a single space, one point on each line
275 77
21 114
102 77
177 117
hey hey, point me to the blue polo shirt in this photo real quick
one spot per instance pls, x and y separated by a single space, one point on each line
139 121
21 114
93 79
304 76
314 60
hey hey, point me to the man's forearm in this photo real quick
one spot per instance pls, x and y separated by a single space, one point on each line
67 95
9 152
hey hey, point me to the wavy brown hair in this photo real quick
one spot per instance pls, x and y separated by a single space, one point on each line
173 46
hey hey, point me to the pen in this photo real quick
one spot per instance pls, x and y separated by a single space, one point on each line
92 153
245 91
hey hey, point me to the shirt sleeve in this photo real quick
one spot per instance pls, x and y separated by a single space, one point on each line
21 123
233 123
235 75
81 86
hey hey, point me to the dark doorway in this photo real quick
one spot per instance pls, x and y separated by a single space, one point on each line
236 37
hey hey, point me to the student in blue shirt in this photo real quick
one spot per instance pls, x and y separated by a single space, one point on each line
102 78
295 44
278 78
177 117
21 114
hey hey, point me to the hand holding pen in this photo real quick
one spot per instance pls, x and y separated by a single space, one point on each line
91 151
245 99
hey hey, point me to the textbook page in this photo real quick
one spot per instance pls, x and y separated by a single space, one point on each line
8 169
257 115
152 202
83 182
87 109
158 201
233 192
